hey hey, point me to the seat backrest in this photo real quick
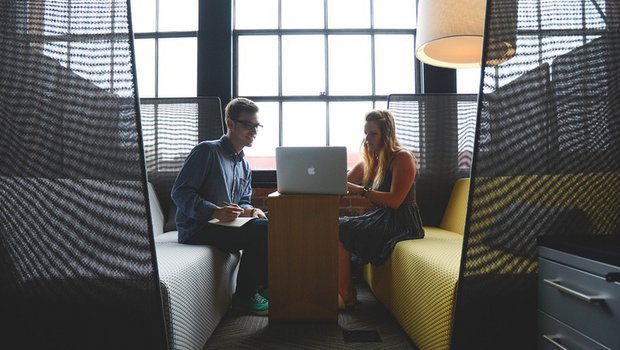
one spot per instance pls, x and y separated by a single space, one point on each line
456 210
439 129
173 126
157 214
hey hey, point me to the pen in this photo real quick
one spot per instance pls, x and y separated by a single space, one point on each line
227 204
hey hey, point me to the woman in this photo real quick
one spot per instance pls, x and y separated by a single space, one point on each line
386 176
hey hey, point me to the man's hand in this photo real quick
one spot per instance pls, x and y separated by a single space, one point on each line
255 213
227 213
259 213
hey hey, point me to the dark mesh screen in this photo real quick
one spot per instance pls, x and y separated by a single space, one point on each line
547 158
173 126
439 129
77 263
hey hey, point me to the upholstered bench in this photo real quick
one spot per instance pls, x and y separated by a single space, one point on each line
196 282
418 282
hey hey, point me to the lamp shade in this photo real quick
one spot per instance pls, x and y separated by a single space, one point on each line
450 34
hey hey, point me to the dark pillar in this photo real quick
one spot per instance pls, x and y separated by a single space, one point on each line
438 80
215 49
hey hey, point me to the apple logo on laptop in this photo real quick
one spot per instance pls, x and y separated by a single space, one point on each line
311 170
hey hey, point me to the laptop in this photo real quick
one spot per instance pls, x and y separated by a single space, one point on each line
311 170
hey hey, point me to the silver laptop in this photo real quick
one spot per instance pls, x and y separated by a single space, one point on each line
311 170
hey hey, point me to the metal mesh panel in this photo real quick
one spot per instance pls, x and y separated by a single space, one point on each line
439 129
77 263
547 158
173 126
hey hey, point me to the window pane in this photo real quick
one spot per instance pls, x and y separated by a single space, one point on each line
84 55
346 126
256 14
51 23
57 50
303 65
302 14
349 65
394 73
395 14
348 14
89 18
178 15
555 46
177 67
258 66
143 15
382 104
261 154
303 124
145 66
467 80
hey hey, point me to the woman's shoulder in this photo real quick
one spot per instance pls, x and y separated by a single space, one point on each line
403 159
403 155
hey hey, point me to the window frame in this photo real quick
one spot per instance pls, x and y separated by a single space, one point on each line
157 35
326 33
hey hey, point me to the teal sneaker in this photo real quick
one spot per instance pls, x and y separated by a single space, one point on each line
256 304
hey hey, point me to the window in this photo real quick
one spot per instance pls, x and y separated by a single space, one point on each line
166 46
543 37
557 80
59 32
316 67
467 80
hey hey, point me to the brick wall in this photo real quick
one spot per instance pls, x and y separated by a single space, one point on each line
349 205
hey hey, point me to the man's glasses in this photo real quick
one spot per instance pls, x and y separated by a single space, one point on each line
249 125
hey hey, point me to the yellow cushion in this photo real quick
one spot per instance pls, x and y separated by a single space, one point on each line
456 211
418 285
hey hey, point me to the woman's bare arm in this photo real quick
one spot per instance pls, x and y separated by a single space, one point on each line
403 175
356 174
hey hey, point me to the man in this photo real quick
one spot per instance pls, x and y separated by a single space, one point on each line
216 183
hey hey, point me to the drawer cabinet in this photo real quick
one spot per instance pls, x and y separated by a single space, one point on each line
556 335
579 304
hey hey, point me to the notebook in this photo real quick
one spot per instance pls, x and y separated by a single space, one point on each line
311 170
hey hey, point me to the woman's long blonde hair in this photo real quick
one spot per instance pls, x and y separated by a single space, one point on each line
379 160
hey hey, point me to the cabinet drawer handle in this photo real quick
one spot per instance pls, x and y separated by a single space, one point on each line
576 294
552 339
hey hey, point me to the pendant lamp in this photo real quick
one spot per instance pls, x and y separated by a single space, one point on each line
450 34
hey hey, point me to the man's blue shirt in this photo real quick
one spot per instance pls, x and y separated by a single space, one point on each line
211 175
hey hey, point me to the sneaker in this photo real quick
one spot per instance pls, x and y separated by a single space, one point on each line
256 304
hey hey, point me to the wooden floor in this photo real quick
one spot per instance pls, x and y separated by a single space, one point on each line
368 319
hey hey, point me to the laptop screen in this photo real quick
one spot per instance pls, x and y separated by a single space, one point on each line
311 170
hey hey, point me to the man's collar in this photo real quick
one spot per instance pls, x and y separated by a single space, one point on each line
228 147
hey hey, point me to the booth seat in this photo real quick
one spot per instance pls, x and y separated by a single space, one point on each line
196 282
418 282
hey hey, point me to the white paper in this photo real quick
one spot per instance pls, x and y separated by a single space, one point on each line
238 222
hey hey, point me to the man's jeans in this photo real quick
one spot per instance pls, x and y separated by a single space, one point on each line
252 239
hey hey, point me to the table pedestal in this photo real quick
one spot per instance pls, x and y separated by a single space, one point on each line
303 257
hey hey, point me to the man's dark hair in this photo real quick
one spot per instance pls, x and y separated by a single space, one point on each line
239 105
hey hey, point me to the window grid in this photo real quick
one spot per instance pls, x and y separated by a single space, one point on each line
324 96
546 33
156 36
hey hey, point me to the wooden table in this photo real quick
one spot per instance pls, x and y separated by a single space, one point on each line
303 257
